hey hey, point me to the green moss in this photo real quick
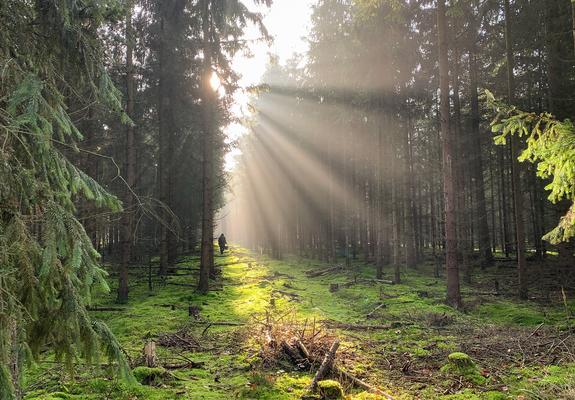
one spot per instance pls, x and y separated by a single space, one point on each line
150 376
495 396
330 390
460 364
365 396
247 287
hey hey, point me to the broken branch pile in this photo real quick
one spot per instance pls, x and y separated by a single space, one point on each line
307 346
182 339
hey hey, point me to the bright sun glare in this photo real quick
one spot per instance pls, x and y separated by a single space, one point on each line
215 82
288 22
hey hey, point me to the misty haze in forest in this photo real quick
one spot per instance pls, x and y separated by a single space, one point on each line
291 199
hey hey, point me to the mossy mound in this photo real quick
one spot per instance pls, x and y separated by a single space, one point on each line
330 390
151 376
460 364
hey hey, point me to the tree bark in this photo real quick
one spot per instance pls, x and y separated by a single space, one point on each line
130 158
166 55
453 289
480 214
515 172
208 110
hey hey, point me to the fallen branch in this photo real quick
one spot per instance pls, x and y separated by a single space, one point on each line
364 385
304 351
388 282
361 327
96 308
372 313
223 323
322 272
325 366
186 365
294 296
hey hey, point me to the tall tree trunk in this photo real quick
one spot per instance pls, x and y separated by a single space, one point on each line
164 123
515 172
480 214
380 218
130 158
395 204
208 110
408 197
453 289
459 163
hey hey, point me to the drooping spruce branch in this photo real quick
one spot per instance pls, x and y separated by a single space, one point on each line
551 146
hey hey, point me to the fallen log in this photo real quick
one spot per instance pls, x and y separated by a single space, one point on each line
96 308
291 351
321 272
186 365
325 366
387 282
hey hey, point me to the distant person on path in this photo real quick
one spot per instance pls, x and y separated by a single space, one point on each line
222 242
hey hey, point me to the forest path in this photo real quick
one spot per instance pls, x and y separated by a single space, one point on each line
413 333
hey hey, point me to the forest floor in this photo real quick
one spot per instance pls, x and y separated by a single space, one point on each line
521 350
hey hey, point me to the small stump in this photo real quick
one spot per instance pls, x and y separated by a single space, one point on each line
330 390
460 364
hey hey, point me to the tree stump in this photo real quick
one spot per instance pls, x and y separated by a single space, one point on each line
150 358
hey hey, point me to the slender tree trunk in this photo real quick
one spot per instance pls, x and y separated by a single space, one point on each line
515 173
453 289
130 157
395 204
208 110
480 214
459 163
164 123
379 257
408 197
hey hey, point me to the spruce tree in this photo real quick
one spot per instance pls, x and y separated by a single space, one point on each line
48 266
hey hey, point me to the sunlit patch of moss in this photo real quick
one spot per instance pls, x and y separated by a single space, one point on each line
270 386
330 390
469 394
512 313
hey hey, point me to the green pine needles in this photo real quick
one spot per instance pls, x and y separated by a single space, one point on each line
49 53
551 145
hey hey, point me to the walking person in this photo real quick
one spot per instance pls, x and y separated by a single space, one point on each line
222 242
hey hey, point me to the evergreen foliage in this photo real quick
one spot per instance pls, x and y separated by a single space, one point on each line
48 266
550 145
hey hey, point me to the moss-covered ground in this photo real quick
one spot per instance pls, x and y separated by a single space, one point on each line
518 349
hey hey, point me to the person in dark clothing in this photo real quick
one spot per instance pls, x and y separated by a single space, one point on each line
222 242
